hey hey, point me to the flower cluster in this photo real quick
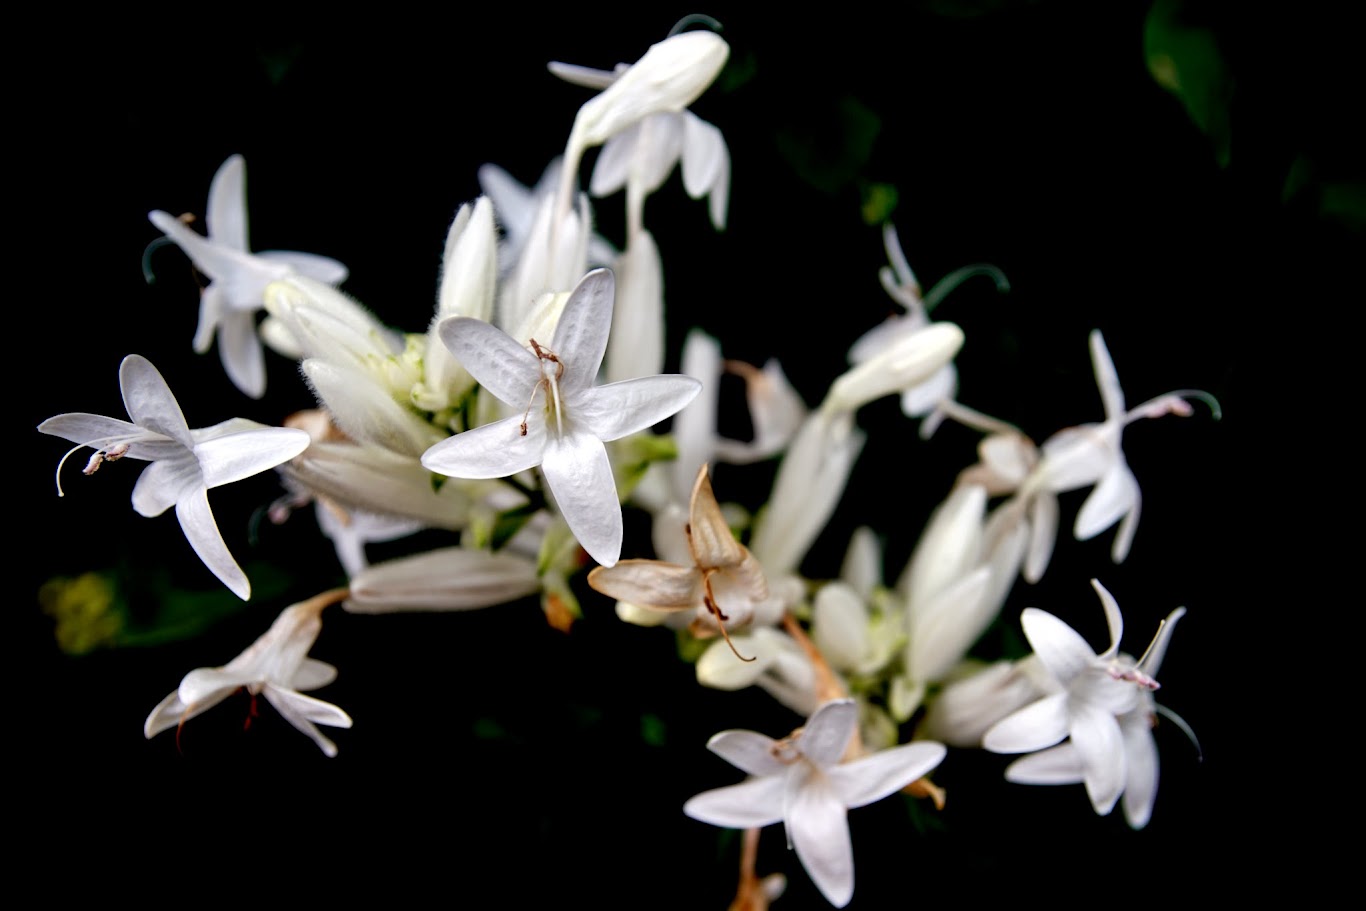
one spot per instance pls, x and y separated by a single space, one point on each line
517 426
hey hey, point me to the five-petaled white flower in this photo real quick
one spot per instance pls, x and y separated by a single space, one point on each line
565 417
801 781
185 463
1104 707
237 277
276 666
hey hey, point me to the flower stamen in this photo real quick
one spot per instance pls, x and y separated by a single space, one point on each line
551 383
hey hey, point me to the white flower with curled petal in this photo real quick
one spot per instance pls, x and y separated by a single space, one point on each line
276 666
237 277
186 463
564 418
800 781
1092 455
1096 692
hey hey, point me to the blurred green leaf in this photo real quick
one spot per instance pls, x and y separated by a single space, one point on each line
1184 58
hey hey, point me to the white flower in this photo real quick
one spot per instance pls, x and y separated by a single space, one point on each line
800 781
186 463
1092 454
1097 691
237 278
276 666
563 433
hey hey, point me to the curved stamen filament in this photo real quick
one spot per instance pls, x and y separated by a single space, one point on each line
709 599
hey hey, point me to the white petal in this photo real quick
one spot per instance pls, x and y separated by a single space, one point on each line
324 269
636 345
705 157
196 520
580 478
1063 651
313 674
912 359
469 267
1114 620
581 336
1106 378
862 567
501 366
839 625
235 268
826 734
1056 765
227 210
1043 533
874 777
163 483
582 75
492 451
171 711
230 458
239 348
367 411
949 547
1095 734
303 711
100 432
1151 662
212 308
818 827
922 398
149 400
754 803
1114 496
694 429
1141 770
1039 724
619 409
748 751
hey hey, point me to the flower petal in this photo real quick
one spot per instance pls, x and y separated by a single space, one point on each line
227 210
580 478
1114 496
619 409
302 711
239 348
230 458
1040 724
1107 380
1141 769
581 336
751 804
196 520
874 777
748 751
1056 765
163 483
149 400
1095 733
818 827
650 583
827 733
492 451
492 357
1062 650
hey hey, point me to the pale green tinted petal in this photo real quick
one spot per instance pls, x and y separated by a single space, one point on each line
230 458
1056 765
1037 725
366 411
227 211
1141 770
581 336
750 752
1095 734
492 451
839 625
619 409
818 828
162 484
149 400
874 777
754 803
650 583
580 478
828 732
196 519
1062 650
501 366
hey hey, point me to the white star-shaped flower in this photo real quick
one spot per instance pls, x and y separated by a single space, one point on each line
237 277
801 781
185 463
563 418
276 666
1101 695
